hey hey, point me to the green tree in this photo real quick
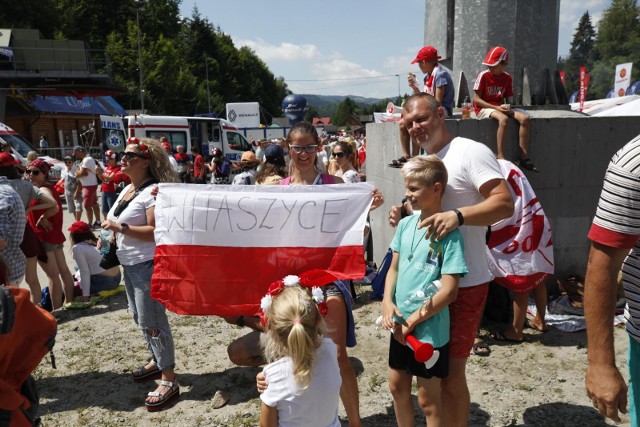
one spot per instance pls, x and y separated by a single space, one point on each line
618 42
345 109
39 14
582 53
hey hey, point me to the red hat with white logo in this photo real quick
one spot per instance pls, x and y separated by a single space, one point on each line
110 154
495 56
427 53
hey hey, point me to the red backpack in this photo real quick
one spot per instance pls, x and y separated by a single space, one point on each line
27 334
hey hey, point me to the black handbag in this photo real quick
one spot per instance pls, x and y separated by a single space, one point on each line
110 259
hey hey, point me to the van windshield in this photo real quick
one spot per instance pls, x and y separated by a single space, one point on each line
19 144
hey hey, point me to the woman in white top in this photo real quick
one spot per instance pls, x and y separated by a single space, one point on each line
93 278
344 156
132 220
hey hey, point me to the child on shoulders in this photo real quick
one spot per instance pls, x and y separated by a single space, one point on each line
409 305
303 376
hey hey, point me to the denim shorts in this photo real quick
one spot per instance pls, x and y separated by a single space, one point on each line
108 200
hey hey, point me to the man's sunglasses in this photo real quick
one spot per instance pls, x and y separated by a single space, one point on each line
130 155
32 172
339 155
308 149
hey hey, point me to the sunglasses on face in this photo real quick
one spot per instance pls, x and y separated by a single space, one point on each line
68 161
131 155
338 155
307 149
32 172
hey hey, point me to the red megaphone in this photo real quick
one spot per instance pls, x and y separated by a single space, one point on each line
422 350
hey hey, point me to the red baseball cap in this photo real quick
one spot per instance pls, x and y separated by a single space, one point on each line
495 56
110 154
427 53
6 159
80 227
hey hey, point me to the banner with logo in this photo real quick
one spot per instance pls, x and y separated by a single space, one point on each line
623 79
219 247
584 84
244 114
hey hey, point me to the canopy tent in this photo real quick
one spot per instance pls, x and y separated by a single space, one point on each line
105 105
631 108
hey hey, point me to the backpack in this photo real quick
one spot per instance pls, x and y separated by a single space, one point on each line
27 334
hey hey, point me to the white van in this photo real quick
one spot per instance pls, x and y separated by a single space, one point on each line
20 147
204 132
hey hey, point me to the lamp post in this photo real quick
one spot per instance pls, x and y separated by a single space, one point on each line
138 10
206 68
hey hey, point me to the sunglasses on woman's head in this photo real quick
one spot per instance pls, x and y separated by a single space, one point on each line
308 149
339 155
130 155
32 172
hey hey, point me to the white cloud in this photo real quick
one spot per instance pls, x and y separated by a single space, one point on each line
282 52
341 68
572 11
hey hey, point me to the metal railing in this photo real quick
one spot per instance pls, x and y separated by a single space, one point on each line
54 60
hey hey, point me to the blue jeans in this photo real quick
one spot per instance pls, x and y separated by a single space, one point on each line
149 314
634 379
101 283
108 199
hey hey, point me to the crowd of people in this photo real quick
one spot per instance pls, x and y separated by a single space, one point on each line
435 288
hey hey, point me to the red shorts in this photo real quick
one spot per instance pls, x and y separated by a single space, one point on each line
465 314
89 196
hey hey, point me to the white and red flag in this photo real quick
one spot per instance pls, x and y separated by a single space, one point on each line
520 249
218 248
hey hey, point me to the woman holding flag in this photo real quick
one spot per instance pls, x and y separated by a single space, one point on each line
132 221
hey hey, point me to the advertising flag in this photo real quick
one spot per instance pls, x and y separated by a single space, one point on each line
623 79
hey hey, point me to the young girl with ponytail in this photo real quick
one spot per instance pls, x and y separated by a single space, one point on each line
303 373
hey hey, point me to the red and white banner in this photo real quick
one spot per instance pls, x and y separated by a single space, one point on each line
623 79
521 247
584 84
218 248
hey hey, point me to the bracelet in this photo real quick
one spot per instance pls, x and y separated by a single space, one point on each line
460 217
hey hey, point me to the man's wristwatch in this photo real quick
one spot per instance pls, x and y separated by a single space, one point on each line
123 228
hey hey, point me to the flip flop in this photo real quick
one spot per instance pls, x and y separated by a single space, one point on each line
530 325
500 336
481 348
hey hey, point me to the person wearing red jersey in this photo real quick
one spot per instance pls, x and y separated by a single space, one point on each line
493 87
108 187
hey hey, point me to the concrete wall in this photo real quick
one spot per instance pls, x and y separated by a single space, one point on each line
528 29
571 153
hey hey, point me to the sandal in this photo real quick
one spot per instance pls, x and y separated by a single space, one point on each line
165 398
140 375
481 348
527 164
398 163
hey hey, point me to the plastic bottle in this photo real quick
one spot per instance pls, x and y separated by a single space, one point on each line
466 108
423 295
105 241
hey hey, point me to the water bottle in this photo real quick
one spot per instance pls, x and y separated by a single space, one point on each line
105 241
421 296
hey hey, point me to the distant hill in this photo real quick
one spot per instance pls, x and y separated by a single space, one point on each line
321 100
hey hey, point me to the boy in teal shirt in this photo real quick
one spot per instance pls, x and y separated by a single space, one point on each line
409 306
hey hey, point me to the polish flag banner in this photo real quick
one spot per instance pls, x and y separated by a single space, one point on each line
219 247
520 249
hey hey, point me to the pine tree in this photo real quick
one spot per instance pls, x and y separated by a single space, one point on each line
581 54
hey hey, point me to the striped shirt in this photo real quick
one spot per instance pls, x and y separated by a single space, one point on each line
617 223
12 223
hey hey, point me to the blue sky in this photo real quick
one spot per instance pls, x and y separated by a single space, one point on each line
315 46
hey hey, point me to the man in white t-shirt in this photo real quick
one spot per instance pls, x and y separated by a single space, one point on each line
476 196
86 174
